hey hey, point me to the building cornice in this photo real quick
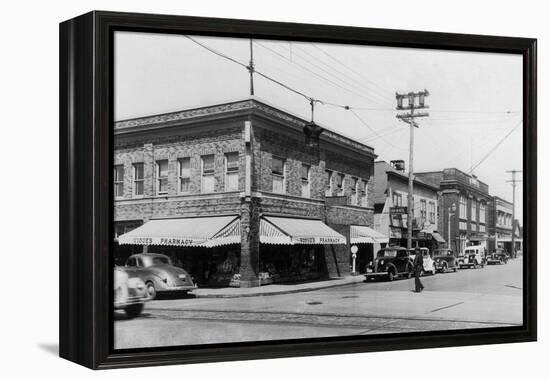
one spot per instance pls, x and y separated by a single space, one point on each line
222 111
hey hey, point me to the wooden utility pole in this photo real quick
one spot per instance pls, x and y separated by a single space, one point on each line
514 182
408 118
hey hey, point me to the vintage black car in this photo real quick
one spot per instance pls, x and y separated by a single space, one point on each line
498 256
445 260
390 263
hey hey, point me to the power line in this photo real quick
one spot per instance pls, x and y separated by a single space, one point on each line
370 128
355 72
322 77
495 147
353 81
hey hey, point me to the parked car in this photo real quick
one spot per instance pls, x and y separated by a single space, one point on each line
390 263
445 260
498 256
473 257
130 293
428 262
158 274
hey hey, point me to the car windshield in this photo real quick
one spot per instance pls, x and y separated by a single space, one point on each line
160 260
387 253
470 251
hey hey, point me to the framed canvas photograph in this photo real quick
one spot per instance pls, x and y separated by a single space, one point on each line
237 189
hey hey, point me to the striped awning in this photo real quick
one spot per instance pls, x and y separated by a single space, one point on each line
364 234
437 237
289 231
186 232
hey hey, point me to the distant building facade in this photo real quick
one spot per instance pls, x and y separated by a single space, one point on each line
469 198
391 206
264 204
500 224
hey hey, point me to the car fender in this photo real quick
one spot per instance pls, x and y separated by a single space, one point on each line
156 279
391 266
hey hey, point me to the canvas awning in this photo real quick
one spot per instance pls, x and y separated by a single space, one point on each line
288 231
186 232
364 234
437 237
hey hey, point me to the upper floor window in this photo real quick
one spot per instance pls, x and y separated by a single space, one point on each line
340 184
354 184
162 177
423 209
278 166
305 172
139 179
184 174
462 209
119 181
474 210
364 194
431 212
482 212
328 188
232 171
207 174
396 199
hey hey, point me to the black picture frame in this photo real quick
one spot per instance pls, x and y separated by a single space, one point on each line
86 156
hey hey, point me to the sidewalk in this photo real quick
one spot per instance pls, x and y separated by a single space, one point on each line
273 289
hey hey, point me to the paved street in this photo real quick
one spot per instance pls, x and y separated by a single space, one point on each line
470 298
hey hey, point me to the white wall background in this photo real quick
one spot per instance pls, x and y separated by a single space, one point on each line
29 191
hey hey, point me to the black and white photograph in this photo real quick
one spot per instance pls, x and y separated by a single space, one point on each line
272 190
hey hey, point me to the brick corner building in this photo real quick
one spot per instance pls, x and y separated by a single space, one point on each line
237 195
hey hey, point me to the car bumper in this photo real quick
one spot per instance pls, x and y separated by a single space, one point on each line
375 275
129 301
183 288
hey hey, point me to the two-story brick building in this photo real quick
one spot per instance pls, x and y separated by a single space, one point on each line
464 205
234 193
500 224
391 206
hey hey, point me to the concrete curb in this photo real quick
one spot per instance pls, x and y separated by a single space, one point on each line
277 292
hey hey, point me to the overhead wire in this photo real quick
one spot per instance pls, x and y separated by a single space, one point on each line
320 76
382 92
341 74
377 134
495 147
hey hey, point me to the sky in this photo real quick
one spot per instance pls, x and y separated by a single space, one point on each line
475 102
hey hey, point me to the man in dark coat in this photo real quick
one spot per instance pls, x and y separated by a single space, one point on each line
418 267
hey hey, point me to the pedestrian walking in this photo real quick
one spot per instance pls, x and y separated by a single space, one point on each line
418 267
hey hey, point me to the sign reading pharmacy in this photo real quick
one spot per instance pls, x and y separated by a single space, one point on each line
318 240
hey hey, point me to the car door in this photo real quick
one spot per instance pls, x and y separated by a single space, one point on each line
401 260
130 266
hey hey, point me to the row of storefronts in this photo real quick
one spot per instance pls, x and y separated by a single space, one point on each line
291 249
236 195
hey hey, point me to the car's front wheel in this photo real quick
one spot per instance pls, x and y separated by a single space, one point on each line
391 275
151 291
444 268
132 311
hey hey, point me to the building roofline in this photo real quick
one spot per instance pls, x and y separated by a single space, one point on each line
406 177
502 199
226 107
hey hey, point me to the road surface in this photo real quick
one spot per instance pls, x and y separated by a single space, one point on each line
470 298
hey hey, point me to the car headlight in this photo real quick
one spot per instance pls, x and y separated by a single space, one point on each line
370 264
381 262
